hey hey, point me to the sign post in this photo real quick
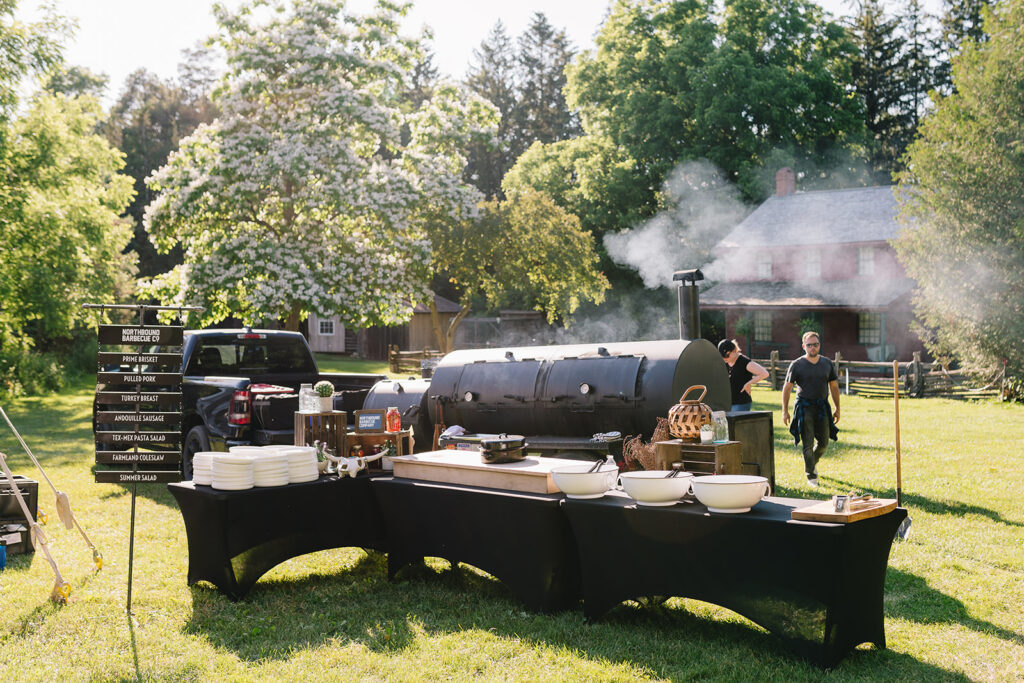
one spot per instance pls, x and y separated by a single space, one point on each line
138 398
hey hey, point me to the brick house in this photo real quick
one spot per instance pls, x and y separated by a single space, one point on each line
815 259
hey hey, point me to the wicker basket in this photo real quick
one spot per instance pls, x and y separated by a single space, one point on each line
686 417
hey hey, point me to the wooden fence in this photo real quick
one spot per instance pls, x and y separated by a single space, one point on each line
916 379
409 362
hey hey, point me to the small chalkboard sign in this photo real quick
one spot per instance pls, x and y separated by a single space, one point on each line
369 420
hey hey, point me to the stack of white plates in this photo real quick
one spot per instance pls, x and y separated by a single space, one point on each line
245 450
233 472
302 464
202 468
271 469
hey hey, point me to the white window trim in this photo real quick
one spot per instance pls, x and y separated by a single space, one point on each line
812 257
866 261
879 318
764 265
320 328
765 316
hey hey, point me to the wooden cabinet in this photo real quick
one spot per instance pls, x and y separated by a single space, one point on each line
699 458
754 431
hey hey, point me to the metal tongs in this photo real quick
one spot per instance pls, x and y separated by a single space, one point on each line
677 468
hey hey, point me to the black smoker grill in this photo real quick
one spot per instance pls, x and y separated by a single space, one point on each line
559 396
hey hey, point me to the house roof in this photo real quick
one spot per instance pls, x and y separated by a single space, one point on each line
443 306
847 294
862 214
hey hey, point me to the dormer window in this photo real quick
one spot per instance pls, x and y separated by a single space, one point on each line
812 264
764 265
866 261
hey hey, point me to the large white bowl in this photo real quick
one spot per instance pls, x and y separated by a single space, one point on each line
730 492
655 487
575 481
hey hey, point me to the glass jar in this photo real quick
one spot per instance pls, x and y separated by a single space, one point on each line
309 400
721 425
393 420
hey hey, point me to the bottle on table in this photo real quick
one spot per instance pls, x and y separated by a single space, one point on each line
393 420
308 399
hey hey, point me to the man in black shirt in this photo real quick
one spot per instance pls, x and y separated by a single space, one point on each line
814 421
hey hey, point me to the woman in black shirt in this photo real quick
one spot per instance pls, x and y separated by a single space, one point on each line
743 373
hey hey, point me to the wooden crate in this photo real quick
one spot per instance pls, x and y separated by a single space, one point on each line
330 428
403 441
699 458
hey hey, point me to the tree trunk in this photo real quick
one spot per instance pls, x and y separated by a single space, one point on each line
291 323
445 338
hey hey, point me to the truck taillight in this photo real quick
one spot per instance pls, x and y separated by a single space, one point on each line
239 413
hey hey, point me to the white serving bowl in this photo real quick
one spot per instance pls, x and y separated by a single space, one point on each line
730 492
577 481
655 487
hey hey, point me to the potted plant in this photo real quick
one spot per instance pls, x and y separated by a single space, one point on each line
323 453
325 390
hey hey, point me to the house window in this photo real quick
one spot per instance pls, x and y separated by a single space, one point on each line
764 265
327 328
866 261
869 329
812 263
762 326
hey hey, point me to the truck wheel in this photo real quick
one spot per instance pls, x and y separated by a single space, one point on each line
197 440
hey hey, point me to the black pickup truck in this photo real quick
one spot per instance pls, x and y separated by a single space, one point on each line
240 387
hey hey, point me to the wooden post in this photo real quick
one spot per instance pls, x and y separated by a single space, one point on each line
918 385
773 368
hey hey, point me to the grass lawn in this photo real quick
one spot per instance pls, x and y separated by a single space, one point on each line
953 597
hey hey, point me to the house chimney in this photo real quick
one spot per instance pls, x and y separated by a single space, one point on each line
785 182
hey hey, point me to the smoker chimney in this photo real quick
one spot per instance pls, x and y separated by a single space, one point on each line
689 302
785 182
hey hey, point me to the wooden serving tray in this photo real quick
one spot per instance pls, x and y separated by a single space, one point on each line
825 511
531 475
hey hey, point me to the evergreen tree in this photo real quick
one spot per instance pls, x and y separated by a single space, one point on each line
525 85
961 21
541 114
492 76
919 65
149 119
878 70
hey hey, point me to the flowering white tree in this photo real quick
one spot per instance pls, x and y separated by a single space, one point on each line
312 190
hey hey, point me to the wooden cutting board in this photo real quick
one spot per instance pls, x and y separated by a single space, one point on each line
825 511
531 475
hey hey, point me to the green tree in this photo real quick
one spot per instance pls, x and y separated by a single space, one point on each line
61 197
147 122
879 71
75 80
492 76
313 188
961 22
525 251
541 113
525 83
961 195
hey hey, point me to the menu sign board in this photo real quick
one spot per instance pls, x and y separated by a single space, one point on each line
162 361
137 477
161 379
133 335
108 417
141 405
129 457
163 398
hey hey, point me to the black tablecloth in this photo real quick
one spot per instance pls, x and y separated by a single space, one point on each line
234 537
817 586
523 539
